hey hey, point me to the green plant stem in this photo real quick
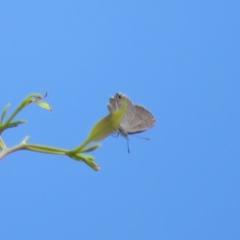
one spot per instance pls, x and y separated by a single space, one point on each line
34 148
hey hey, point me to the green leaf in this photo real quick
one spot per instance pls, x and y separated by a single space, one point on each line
107 125
91 148
89 160
15 124
4 112
44 105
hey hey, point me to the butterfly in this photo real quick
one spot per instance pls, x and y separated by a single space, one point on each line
136 118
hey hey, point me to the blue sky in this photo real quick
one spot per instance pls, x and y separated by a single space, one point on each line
180 59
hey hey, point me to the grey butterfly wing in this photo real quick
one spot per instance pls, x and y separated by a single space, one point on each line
130 111
143 120
112 105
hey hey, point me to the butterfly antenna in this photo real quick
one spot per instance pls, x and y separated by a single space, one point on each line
144 138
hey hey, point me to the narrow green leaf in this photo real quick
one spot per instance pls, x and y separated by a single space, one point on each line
89 160
15 124
107 125
91 148
44 105
4 112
